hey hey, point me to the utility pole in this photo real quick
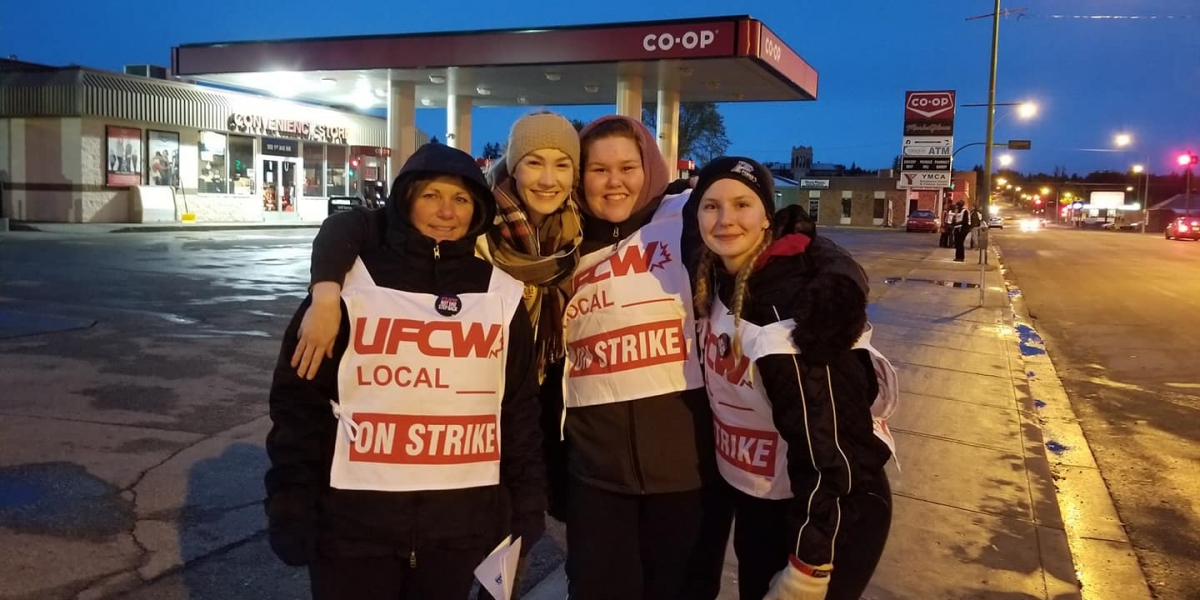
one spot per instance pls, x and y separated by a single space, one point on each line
986 195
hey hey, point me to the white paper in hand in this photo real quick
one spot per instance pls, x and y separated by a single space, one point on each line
497 571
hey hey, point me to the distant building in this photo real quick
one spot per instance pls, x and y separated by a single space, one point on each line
1159 215
802 160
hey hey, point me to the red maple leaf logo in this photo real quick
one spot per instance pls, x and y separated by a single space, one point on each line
664 257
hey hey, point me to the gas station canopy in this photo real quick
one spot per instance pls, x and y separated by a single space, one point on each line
717 59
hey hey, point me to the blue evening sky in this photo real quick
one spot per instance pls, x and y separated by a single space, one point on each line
1092 77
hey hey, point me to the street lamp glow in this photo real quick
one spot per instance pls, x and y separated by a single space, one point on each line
1122 140
1138 168
1045 191
1001 181
1005 160
1027 110
1129 188
1018 188
1008 187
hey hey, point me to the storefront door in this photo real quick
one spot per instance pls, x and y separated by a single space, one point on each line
278 184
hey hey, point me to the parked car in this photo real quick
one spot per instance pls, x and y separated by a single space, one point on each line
922 220
995 223
1183 228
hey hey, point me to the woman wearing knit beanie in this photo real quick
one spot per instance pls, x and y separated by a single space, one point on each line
646 511
797 392
535 238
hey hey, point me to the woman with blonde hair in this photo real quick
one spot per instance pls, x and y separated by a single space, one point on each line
795 390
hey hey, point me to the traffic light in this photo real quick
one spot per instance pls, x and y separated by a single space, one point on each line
1187 159
353 166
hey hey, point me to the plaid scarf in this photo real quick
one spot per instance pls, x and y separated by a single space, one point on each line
542 258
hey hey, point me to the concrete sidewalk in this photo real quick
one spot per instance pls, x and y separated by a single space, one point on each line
990 455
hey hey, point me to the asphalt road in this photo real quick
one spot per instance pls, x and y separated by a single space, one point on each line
1120 313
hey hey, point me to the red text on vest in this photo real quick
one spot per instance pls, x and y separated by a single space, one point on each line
631 259
425 439
383 335
629 348
750 450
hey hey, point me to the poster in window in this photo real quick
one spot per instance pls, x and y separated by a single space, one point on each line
162 153
124 155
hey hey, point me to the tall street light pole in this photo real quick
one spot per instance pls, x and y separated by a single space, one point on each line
1145 195
985 197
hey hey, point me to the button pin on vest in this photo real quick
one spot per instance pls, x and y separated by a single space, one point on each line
448 305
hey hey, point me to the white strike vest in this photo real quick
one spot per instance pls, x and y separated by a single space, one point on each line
420 386
751 454
630 331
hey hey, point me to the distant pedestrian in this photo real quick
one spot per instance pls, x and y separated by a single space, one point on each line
977 224
947 238
962 227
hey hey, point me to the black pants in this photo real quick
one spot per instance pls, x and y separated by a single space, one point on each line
960 237
762 542
441 574
945 240
646 547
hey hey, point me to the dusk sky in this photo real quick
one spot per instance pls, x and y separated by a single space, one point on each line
1136 72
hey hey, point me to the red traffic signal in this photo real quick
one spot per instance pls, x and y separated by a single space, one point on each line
1187 159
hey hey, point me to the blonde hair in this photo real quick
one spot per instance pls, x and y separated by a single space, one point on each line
703 293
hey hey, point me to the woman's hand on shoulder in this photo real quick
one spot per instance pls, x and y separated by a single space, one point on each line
318 329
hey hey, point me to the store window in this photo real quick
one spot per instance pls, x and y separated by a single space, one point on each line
241 170
336 185
314 163
212 163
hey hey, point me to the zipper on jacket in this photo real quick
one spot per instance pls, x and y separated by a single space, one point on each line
633 449
437 251
412 550
616 235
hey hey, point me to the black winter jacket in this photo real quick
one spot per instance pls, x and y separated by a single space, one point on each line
305 513
652 445
822 397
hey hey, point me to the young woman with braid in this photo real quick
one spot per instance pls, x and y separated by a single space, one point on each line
792 383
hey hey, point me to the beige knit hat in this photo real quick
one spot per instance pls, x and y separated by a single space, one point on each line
542 130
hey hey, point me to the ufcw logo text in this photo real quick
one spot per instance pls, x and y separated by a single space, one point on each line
633 259
384 335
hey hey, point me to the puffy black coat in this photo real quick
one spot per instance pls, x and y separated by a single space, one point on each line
304 512
824 394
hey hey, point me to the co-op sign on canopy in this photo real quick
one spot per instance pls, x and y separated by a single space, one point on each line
689 40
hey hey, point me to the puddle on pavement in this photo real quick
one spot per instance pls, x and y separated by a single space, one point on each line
965 285
61 499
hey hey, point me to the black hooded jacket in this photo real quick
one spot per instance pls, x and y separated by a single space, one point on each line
660 444
304 512
821 398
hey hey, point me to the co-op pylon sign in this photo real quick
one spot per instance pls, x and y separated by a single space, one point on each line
928 140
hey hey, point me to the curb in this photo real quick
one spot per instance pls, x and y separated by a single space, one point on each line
1105 563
